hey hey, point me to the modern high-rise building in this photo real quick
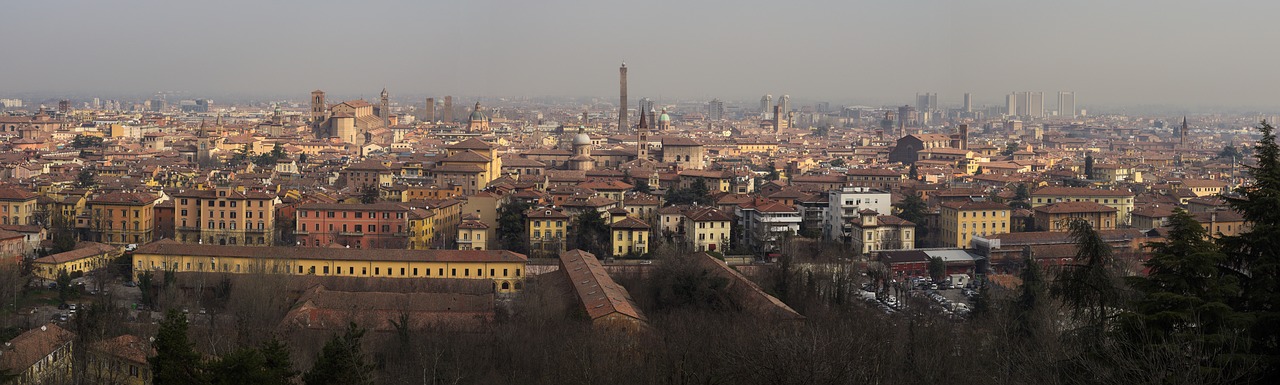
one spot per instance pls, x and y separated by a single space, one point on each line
1011 105
715 109
766 106
968 102
1035 104
785 102
927 102
646 106
1067 104
623 123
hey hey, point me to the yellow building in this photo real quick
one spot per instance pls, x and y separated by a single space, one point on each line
504 268
422 228
87 256
548 228
1121 200
225 216
39 356
16 206
120 360
757 146
960 221
469 165
707 229
472 234
629 235
120 218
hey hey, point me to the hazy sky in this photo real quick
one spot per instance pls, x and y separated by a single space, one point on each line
1171 52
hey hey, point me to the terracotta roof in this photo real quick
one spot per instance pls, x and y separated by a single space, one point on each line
15 194
470 144
599 295
747 294
82 250
1074 207
171 247
707 214
630 223
30 347
1079 191
128 347
321 308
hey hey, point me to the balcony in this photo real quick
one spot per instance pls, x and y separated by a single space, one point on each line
351 234
400 234
256 230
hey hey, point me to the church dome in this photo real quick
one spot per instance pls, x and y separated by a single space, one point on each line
582 139
664 117
476 115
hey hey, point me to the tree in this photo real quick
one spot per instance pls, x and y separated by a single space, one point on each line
86 179
82 141
1088 166
341 361
912 172
1009 149
1088 285
978 171
62 233
591 233
1022 193
302 158
368 193
176 361
642 186
512 232
837 162
1029 310
913 209
1252 256
269 364
64 286
241 155
1230 152
1186 293
937 268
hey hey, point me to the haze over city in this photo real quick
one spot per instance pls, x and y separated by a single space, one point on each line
869 52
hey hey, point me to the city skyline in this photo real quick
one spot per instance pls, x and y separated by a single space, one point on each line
1139 55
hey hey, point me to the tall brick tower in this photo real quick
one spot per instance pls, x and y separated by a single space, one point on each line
623 123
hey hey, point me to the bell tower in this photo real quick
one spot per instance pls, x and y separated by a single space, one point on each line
384 107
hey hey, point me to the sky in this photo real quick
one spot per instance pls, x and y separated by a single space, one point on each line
1191 53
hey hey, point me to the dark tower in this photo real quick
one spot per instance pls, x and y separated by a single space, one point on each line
623 123
430 113
384 107
964 136
448 109
317 107
642 138
1182 136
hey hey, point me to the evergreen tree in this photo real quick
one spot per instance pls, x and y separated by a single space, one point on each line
268 365
912 172
1088 285
1254 256
1022 193
512 232
642 185
913 209
176 361
937 268
1029 308
86 179
341 362
369 194
1185 294
1088 166
591 233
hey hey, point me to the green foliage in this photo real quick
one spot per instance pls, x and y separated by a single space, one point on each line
696 193
86 178
1029 308
176 361
62 233
65 291
302 158
240 156
368 194
1088 286
342 361
1186 294
1088 166
913 209
1253 256
269 364
591 233
1009 149
269 159
683 285
1022 193
146 285
512 232
1230 152
837 162
937 268
978 171
82 141
912 172
642 185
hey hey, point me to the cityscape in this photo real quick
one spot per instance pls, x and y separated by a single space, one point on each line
590 216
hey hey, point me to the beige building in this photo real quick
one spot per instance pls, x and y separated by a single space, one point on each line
1058 216
962 220
473 234
225 216
874 232
707 229
16 206
1121 200
685 152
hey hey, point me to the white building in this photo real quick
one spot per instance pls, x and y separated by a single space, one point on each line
764 223
843 206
